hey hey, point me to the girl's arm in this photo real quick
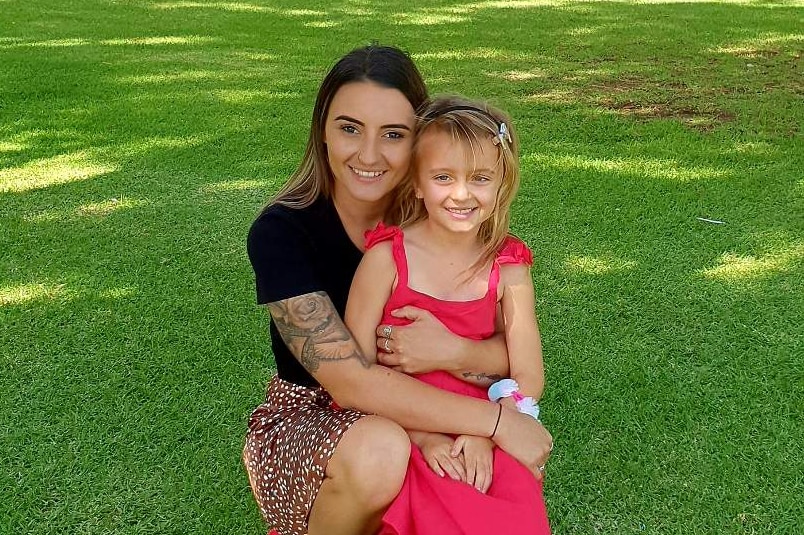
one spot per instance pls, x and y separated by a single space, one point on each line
370 290
522 329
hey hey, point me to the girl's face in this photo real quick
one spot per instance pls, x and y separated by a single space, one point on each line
369 137
458 186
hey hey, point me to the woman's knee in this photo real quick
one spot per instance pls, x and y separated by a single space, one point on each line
371 460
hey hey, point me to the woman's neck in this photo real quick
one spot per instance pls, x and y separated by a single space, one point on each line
358 217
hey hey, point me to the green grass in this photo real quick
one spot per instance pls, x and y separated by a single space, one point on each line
138 140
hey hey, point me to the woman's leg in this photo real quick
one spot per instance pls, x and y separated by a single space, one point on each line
363 477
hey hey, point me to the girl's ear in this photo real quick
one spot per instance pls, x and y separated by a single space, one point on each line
419 194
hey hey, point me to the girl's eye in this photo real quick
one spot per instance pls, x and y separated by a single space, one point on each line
395 135
441 178
482 178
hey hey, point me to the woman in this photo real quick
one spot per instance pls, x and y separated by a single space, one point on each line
327 452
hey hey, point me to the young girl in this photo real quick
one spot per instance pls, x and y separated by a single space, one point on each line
452 255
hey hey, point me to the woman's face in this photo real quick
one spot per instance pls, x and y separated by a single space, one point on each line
369 137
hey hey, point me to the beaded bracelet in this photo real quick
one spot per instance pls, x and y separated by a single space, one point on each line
510 388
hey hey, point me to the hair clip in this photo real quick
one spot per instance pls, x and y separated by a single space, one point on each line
502 134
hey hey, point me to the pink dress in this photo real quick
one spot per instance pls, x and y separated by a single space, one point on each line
429 504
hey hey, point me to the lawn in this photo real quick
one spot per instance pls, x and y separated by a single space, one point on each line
663 196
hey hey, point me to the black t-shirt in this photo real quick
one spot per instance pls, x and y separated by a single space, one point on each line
295 252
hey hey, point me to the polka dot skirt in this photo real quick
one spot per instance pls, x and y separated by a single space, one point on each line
290 440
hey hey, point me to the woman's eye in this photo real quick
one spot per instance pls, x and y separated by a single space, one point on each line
394 135
349 129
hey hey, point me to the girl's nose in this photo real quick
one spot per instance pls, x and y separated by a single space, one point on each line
460 191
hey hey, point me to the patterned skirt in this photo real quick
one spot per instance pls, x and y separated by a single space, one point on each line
290 440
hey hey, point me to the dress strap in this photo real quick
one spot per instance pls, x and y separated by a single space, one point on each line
514 251
383 233
400 259
494 281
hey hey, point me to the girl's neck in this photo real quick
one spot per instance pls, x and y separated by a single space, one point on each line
438 262
451 243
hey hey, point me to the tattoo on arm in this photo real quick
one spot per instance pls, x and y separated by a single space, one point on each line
483 377
312 329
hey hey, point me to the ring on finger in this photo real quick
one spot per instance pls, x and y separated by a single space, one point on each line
386 331
385 345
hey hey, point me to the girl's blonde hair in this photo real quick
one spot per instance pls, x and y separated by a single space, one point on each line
469 122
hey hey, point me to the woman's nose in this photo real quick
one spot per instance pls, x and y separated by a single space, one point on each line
368 152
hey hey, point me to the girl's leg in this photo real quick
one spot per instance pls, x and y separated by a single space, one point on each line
363 477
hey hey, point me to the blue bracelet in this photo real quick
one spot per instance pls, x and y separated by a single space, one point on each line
510 388
502 389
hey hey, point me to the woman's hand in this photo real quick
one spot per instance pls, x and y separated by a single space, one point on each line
437 451
525 439
423 346
478 458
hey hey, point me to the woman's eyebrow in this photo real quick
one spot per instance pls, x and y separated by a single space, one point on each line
361 123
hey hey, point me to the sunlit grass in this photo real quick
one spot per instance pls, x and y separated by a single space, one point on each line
11 146
226 6
463 54
93 210
637 167
138 41
233 185
518 76
53 171
597 265
161 40
24 293
734 267
322 24
240 7
239 96
767 43
427 19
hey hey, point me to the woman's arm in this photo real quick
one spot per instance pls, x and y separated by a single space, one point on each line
426 345
311 328
521 329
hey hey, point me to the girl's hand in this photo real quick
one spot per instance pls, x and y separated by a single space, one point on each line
437 451
478 457
422 346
